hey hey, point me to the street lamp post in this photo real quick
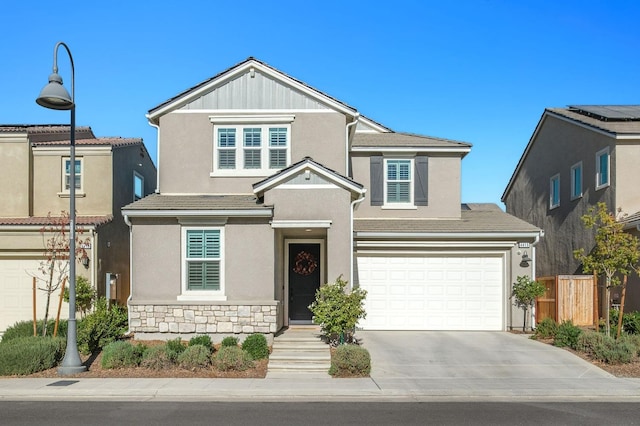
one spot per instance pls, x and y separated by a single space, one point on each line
55 96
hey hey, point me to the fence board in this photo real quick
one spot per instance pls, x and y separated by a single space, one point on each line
567 298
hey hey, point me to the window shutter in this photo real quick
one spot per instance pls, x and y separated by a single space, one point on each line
377 180
420 186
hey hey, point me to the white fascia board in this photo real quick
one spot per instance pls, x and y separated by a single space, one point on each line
434 149
434 244
188 97
263 118
439 251
196 213
444 236
301 224
331 177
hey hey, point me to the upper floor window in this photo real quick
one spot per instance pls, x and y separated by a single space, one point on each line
251 150
602 168
576 181
398 181
203 262
66 174
554 191
138 186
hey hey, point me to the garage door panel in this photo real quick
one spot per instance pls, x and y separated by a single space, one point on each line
432 292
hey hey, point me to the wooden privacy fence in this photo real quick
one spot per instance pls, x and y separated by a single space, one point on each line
567 298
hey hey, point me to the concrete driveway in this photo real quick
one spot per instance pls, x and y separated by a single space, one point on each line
470 355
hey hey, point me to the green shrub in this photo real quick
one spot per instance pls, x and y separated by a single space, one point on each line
158 358
589 341
567 335
101 327
337 311
122 354
25 329
256 346
546 329
230 341
176 346
28 355
232 358
613 351
194 357
203 340
631 322
350 360
85 295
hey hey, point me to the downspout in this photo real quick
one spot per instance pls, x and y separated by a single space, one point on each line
128 222
356 117
157 191
354 203
533 272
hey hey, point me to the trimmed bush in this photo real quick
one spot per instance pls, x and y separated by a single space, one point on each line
567 335
176 345
194 357
101 327
230 341
232 358
589 341
546 329
122 354
25 329
256 346
613 351
28 355
203 340
350 360
158 358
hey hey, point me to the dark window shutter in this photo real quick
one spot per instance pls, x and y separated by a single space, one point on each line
377 180
420 185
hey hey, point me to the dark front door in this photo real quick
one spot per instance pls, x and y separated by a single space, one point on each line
304 278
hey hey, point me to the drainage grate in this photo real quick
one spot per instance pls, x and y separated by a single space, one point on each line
63 383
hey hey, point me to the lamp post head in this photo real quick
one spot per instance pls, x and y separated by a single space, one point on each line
54 95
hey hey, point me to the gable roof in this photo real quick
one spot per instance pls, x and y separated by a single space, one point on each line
106 141
581 115
307 163
158 205
365 142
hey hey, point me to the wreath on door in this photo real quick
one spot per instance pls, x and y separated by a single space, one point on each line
305 263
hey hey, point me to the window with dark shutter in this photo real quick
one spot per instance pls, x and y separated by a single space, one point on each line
420 185
377 180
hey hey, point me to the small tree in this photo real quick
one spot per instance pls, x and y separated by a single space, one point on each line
54 268
85 295
615 252
336 311
525 292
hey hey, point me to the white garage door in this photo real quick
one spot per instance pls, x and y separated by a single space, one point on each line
16 294
432 293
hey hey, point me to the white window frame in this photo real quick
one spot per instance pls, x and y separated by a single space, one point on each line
600 182
240 122
195 295
399 205
576 187
65 190
138 177
554 190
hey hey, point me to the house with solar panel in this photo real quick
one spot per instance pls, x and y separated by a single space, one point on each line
269 188
577 157
109 173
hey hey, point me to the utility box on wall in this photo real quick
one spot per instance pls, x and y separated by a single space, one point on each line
111 286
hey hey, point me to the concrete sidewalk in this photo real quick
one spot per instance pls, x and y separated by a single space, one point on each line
407 366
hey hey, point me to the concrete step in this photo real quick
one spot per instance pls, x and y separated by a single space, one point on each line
299 351
301 356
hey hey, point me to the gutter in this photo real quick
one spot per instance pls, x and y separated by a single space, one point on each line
356 118
128 222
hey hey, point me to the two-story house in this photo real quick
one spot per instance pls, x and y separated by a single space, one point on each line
268 188
110 172
577 156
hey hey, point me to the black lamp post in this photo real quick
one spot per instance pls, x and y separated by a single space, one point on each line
55 96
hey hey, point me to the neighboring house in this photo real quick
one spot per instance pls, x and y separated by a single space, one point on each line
268 188
578 156
110 172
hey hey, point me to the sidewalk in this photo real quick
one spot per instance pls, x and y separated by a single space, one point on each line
419 389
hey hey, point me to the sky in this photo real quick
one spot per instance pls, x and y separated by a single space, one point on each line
480 72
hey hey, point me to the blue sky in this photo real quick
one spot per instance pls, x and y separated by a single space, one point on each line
475 71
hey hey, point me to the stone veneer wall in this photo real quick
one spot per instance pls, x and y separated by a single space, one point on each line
204 318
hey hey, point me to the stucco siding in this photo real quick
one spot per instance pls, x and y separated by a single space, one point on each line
627 175
14 179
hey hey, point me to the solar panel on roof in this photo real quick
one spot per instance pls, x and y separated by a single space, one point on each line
609 112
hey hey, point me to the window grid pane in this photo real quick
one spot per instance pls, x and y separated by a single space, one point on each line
252 159
577 181
226 138
277 158
203 259
398 181
252 136
67 173
278 136
603 177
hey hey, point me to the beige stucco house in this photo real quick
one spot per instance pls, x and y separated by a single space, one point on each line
110 172
268 188
578 156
